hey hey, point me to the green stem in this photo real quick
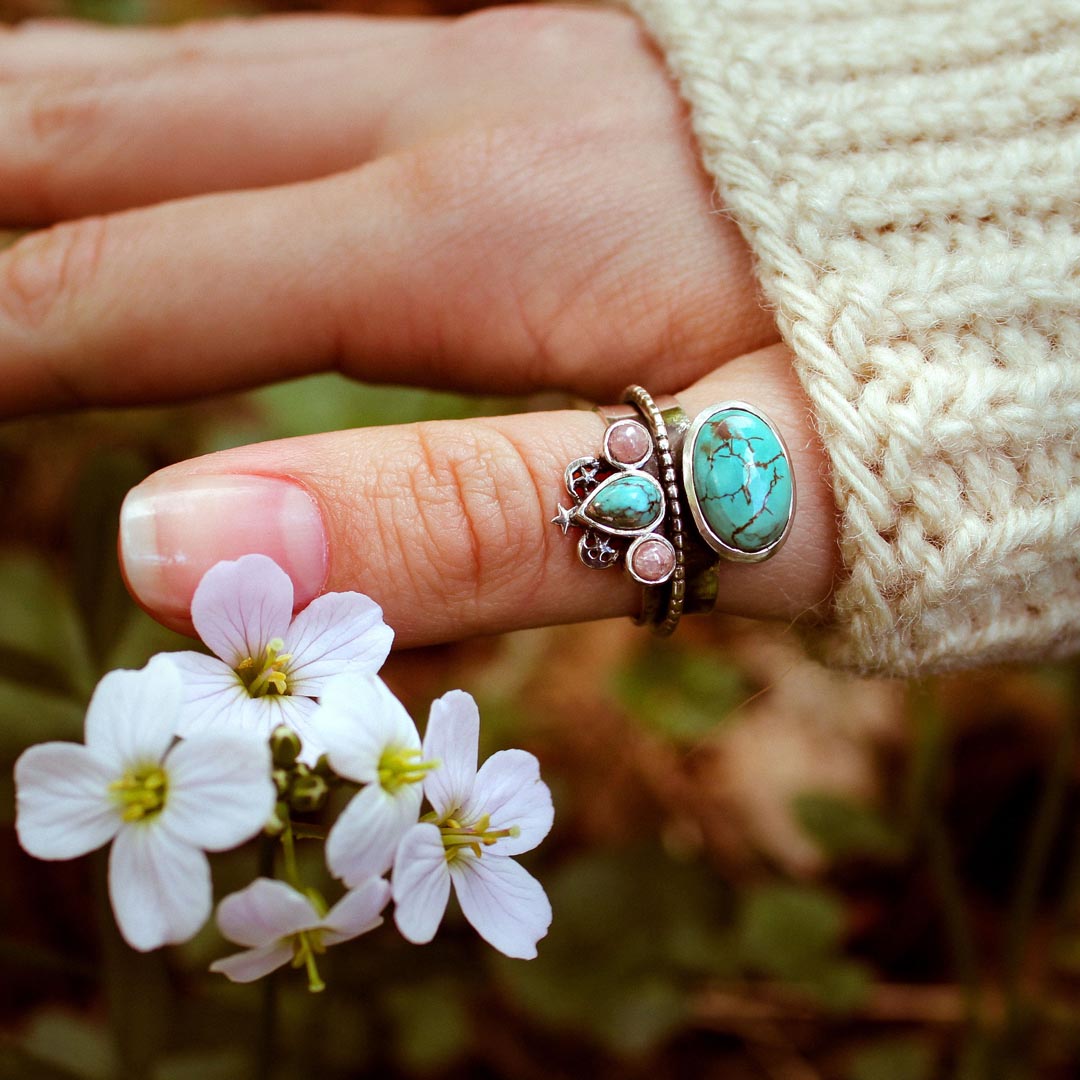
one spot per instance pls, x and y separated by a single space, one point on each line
136 989
288 848
266 1036
1044 829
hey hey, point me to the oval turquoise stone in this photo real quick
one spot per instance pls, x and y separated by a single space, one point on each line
742 479
625 503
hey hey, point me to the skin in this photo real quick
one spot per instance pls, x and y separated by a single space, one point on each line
510 201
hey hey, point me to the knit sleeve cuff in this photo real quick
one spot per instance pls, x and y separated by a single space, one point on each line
907 173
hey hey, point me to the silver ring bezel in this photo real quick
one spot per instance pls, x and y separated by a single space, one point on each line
726 551
630 559
583 522
627 466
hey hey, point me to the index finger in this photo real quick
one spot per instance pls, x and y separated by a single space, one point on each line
448 525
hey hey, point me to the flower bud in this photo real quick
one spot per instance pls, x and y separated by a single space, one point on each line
285 746
309 792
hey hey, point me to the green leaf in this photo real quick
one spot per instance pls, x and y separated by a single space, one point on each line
226 1064
35 672
70 1043
844 828
789 931
644 1016
29 715
431 1024
141 638
894 1059
842 986
100 595
40 640
680 693
637 917
319 403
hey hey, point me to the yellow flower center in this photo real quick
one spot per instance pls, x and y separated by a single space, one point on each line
267 674
141 792
458 838
400 765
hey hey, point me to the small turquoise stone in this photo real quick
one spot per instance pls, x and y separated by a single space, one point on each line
626 503
742 479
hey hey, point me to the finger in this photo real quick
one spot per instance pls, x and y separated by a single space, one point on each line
39 48
500 263
144 116
447 525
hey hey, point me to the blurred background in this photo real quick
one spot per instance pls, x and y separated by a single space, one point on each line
759 869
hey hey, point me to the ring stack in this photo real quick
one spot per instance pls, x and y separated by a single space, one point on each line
730 466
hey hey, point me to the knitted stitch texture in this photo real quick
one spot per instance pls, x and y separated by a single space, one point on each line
907 173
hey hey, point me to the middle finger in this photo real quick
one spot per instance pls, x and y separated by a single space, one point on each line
145 116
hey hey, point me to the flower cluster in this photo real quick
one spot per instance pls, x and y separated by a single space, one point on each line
198 753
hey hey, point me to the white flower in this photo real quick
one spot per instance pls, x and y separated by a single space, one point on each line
480 819
280 925
370 738
268 667
162 805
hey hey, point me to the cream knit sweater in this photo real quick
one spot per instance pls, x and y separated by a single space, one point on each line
907 173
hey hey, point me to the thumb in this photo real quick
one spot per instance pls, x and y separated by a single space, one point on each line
447 525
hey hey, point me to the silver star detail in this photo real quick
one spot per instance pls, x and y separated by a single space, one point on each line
563 518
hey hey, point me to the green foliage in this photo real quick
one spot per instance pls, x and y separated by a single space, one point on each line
321 403
431 1024
844 828
680 693
41 642
893 1059
794 933
100 595
633 933
70 1044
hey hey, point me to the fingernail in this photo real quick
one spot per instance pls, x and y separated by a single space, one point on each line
174 528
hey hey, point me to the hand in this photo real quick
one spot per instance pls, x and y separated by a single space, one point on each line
505 202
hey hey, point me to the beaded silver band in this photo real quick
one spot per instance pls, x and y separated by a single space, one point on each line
653 413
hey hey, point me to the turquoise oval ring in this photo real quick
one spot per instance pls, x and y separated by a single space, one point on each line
739 482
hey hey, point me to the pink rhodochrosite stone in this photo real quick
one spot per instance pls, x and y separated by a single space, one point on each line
628 443
653 561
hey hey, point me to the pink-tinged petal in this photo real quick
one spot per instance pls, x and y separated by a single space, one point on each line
356 912
365 836
334 633
213 694
421 885
219 791
359 718
217 703
452 738
240 607
252 964
63 808
160 887
506 905
509 789
133 715
265 912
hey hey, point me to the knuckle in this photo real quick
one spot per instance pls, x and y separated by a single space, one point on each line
59 118
54 123
45 271
479 514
